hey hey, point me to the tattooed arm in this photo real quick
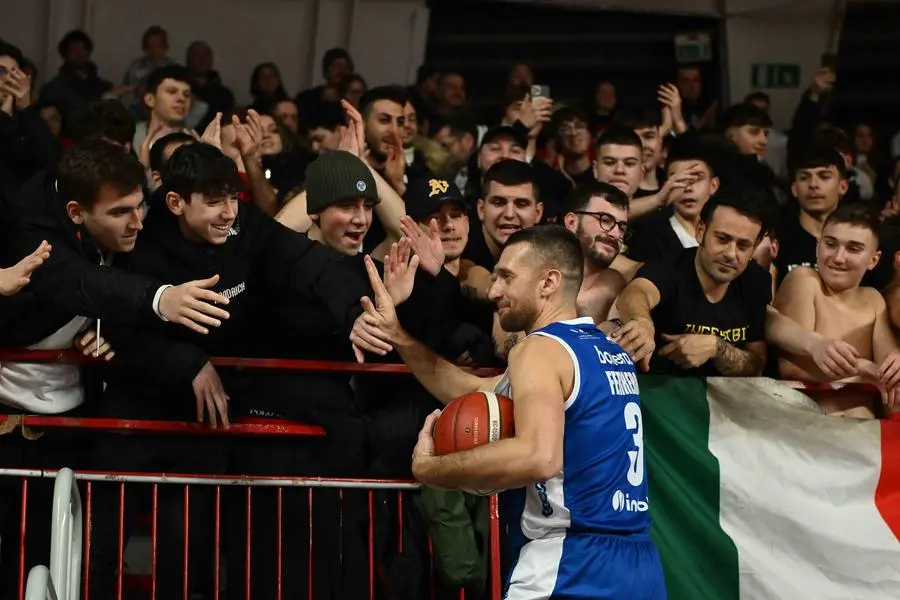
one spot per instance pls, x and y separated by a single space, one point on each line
733 362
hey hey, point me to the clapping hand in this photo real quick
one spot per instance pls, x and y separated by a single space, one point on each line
400 271
354 140
428 248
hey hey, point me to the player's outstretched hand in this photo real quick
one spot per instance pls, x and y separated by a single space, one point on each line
424 449
377 326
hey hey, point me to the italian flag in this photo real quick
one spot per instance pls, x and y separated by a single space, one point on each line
755 494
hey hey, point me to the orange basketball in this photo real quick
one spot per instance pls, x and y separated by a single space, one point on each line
473 420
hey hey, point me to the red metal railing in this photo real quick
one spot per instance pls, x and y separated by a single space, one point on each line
91 479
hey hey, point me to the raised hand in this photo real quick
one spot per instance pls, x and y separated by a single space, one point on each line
17 84
14 278
378 325
685 177
400 271
395 165
428 247
354 140
213 133
193 304
249 134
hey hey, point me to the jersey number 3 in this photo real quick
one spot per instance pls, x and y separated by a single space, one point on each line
633 423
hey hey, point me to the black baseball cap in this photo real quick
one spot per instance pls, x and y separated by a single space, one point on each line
519 135
425 196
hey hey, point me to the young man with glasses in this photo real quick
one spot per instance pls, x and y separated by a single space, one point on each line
597 213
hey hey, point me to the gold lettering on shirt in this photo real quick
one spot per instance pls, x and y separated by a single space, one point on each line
732 336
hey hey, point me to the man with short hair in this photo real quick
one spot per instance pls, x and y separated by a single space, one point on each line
568 421
646 122
818 184
706 313
450 96
748 127
168 97
573 143
90 209
508 203
459 137
597 214
261 264
384 117
830 301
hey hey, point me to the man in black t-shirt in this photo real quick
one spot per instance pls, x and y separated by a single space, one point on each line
819 183
707 313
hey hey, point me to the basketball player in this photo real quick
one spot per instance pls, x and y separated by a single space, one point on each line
577 411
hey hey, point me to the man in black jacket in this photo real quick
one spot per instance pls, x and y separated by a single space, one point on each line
201 229
90 211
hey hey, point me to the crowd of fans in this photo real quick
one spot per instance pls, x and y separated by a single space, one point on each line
158 225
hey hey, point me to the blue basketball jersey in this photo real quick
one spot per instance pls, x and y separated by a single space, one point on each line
602 489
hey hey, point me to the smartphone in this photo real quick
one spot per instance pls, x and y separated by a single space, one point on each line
540 91
829 61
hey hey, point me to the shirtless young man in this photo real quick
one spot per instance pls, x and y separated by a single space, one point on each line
577 411
831 302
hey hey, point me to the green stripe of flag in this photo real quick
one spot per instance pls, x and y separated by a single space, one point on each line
699 559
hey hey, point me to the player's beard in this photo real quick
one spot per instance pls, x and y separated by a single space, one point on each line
520 319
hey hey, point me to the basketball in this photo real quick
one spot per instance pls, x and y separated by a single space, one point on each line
473 420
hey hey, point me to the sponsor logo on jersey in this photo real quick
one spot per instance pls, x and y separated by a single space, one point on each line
622 502
608 358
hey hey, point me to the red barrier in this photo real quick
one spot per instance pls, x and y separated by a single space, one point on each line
148 583
278 568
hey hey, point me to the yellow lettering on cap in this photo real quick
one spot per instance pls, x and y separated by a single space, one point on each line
438 186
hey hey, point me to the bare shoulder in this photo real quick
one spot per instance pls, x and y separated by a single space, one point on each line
539 361
872 298
538 352
626 267
612 280
801 280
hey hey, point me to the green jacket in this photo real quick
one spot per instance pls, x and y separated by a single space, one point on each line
459 528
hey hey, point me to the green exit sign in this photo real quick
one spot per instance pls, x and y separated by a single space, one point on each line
776 75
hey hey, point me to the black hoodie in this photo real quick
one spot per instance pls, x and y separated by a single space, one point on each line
261 256
72 281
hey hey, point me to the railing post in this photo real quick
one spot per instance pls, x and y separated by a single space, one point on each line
66 536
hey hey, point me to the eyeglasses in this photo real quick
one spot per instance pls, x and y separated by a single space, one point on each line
607 221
